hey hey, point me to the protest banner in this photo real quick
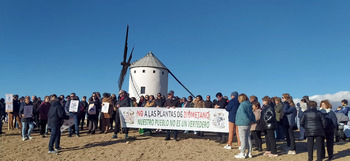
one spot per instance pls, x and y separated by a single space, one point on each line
105 107
9 102
67 123
28 111
92 109
74 106
194 119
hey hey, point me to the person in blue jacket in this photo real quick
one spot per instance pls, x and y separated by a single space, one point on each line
332 123
290 112
232 107
244 119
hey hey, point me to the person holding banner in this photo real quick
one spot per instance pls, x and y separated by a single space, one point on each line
94 107
106 112
171 102
123 101
26 111
72 108
221 103
14 113
55 118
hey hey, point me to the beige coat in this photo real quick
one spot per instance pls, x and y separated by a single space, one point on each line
256 126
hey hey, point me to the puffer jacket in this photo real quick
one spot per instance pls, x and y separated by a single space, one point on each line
314 123
268 118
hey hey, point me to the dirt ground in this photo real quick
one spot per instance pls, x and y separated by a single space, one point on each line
139 147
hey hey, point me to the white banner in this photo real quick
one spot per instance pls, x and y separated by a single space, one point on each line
28 111
67 123
74 106
9 103
105 107
194 119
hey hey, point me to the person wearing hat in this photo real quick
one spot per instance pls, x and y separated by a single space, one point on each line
171 102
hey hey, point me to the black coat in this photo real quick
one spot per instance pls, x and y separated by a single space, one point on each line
268 118
314 123
125 102
56 114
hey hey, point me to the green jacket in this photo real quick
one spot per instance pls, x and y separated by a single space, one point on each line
278 110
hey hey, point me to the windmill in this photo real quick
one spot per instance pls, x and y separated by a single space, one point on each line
137 82
125 63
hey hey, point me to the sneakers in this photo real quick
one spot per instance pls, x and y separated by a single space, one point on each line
239 148
167 138
24 139
291 152
267 153
195 133
114 136
240 156
228 147
30 138
53 152
272 155
250 155
59 148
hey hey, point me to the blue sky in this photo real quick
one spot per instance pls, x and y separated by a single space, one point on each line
255 47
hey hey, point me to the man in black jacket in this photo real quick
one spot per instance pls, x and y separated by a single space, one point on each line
55 117
123 101
314 123
171 102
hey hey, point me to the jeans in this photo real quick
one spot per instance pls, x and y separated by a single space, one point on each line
301 133
76 123
310 147
244 136
24 125
55 137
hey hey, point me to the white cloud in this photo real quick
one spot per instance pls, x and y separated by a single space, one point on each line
334 99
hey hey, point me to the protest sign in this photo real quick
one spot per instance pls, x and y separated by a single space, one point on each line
196 119
28 111
92 109
9 102
67 123
74 106
105 107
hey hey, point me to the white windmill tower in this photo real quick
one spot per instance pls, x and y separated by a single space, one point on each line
148 76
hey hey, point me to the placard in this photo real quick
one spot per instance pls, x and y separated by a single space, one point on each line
67 123
9 98
28 111
9 107
105 107
194 119
74 106
92 109
9 102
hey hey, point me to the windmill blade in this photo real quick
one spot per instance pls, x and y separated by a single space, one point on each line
126 44
181 83
132 50
122 76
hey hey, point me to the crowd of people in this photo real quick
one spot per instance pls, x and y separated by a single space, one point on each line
274 117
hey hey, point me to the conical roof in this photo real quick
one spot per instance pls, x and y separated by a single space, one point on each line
148 61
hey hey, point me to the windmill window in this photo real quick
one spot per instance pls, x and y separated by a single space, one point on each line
154 71
162 72
143 71
134 71
143 90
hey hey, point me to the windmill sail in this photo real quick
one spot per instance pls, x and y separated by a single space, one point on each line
125 63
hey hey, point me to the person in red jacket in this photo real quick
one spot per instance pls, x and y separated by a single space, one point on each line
43 110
